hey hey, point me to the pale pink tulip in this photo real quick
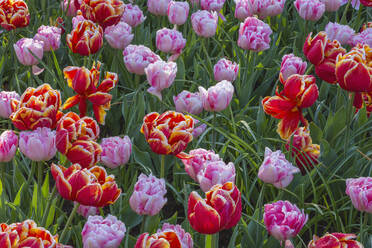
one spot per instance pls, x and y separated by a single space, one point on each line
360 192
311 10
291 65
212 5
50 36
8 145
204 23
87 211
170 41
342 33
271 8
133 15
178 12
225 70
215 172
188 102
243 9
138 57
116 151
119 36
365 37
5 99
217 97
23 47
158 7
254 35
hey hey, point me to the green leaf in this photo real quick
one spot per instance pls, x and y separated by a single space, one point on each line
17 200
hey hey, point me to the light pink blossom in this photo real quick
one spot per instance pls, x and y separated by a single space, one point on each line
204 23
5 100
212 5
170 41
360 192
291 65
243 9
254 35
332 5
365 37
8 145
119 36
311 10
215 172
178 12
50 36
133 15
23 47
87 211
188 102
225 69
138 57
217 97
116 151
158 7
343 33
199 128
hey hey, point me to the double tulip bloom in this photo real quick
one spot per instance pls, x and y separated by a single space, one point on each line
138 57
204 23
86 211
119 36
291 65
170 41
37 108
116 151
342 33
221 209
217 97
50 36
300 91
158 7
254 35
29 51
14 14
335 240
168 133
188 102
225 69
90 187
311 10
5 100
364 37
132 15
8 145
85 83
178 12
360 192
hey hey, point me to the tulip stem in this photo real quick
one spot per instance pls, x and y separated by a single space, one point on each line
68 223
162 166
343 18
211 240
214 130
39 185
46 213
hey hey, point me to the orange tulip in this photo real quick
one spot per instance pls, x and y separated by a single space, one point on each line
86 38
335 240
85 84
37 108
168 133
89 187
14 14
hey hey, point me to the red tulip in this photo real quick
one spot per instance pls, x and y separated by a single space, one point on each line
103 12
14 14
367 3
37 108
168 133
89 187
158 240
86 38
335 240
85 84
221 209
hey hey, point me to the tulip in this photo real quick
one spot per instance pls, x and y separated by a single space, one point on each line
178 12
276 170
14 14
71 5
360 192
170 41
366 100
225 70
243 9
198 129
86 38
204 23
101 232
217 97
342 33
85 84
254 35
76 19
160 75
132 15
158 7
221 209
215 172
166 239
5 100
38 145
283 220
188 102
306 153
119 36
90 187
184 237
103 12
367 3
335 240
138 57
50 36
364 38
270 7
332 5
148 195
116 151
27 234
168 133
311 10
30 114
212 5
86 211
291 65
8 145
23 47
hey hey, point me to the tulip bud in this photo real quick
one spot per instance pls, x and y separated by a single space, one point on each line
225 70
50 36
188 102
23 47
217 97
311 10
133 15
204 23
254 35
291 65
5 100
8 145
119 36
359 191
116 151
138 57
178 12
170 41
158 7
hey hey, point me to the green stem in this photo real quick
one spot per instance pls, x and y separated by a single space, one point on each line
39 185
343 18
68 223
46 213
349 114
162 166
143 224
211 241
214 130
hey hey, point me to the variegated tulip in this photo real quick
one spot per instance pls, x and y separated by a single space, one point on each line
335 240
5 100
225 69
342 33
8 145
188 102
138 57
217 97
311 10
254 35
360 192
14 14
291 65
50 36
133 15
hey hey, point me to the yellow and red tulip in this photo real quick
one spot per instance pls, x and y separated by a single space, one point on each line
168 133
221 209
335 240
14 14
89 187
85 84
37 108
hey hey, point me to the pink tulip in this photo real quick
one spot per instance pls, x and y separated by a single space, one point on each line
243 9
119 36
291 65
276 170
332 5
204 23
160 75
5 99
194 161
271 8
77 19
23 47
360 192
50 36
87 211
283 220
8 145
184 237
38 145
364 37
116 151
342 33
215 172
311 10
99 232
133 15
158 7
199 128
212 5
254 35
148 195
188 102
178 12
225 70
71 5
138 57
170 41
217 97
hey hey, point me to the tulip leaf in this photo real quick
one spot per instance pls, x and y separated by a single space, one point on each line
45 187
17 200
